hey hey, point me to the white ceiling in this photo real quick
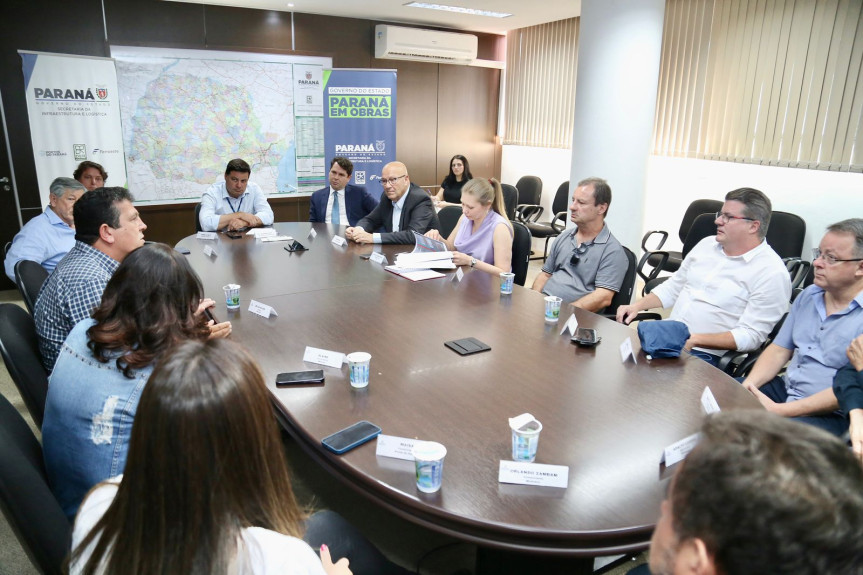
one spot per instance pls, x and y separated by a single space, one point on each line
524 12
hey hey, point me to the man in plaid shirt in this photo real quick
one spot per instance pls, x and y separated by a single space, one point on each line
107 229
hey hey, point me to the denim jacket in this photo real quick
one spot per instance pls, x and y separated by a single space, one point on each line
88 419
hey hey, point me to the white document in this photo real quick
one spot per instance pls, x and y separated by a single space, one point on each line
262 232
708 401
323 357
210 252
379 258
571 325
626 351
206 235
397 447
277 239
426 260
678 451
261 309
312 233
414 275
523 473
339 241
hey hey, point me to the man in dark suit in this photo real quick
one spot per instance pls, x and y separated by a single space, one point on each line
342 203
403 207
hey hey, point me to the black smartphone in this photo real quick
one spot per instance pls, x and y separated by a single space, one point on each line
586 336
234 235
210 316
350 437
299 377
184 251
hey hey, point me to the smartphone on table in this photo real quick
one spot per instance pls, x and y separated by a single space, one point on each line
299 377
350 437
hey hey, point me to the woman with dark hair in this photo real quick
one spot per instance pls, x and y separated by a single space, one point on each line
206 488
450 188
152 302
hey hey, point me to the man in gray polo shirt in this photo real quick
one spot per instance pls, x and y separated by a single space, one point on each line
587 264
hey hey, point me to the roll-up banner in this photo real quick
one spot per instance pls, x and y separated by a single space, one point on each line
360 121
74 116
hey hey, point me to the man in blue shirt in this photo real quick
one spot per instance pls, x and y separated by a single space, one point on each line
46 238
107 229
235 203
824 319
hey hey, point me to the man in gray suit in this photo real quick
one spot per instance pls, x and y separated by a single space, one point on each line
403 207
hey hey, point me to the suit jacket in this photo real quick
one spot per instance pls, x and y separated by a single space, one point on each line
418 215
358 203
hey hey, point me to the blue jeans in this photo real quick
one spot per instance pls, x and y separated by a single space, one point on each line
831 422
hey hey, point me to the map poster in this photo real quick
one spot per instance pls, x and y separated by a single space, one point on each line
73 107
309 119
360 121
186 113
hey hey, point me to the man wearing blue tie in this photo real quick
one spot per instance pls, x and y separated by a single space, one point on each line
341 204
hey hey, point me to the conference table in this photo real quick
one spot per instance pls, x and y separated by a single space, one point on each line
608 420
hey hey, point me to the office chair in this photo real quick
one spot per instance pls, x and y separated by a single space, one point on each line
694 210
29 277
6 247
624 294
198 218
529 197
27 502
785 234
703 226
739 363
553 228
19 347
510 199
448 217
520 252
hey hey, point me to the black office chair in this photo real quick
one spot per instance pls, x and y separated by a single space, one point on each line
448 217
530 199
703 226
19 347
29 277
624 294
739 363
785 234
798 270
553 228
520 252
694 210
6 247
198 218
510 199
30 508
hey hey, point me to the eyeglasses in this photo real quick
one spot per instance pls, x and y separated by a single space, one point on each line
830 260
726 217
391 181
577 253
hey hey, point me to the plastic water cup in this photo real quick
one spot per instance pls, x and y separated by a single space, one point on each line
525 440
506 281
428 456
552 308
358 366
232 296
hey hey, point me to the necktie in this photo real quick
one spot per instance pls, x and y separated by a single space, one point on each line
334 217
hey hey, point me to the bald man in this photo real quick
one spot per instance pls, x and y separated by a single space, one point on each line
403 207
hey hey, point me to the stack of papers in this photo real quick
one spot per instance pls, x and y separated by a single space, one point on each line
414 275
425 260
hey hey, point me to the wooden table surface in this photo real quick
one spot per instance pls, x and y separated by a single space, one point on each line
607 420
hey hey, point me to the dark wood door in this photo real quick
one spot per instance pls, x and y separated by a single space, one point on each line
8 211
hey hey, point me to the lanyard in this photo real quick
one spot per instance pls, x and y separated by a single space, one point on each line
240 205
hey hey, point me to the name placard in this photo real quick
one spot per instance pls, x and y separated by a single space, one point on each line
570 326
312 233
262 232
210 252
339 241
458 275
523 473
678 451
323 357
708 401
396 447
277 239
379 258
626 351
261 309
205 235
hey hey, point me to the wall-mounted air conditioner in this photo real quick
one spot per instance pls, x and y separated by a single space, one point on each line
399 43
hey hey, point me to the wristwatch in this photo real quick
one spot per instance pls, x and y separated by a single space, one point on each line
472 262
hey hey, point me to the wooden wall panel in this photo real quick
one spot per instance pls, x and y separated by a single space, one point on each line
347 40
154 23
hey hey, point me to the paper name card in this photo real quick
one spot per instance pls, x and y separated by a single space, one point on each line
677 452
396 447
277 239
323 357
458 275
210 252
339 241
379 258
570 326
626 351
206 235
708 401
524 473
261 309
312 233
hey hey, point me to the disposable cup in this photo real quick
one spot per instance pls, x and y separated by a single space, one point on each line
428 456
358 365
552 308
506 281
525 440
232 296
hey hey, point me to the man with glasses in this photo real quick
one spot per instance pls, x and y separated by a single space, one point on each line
587 265
732 288
107 229
824 320
404 208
